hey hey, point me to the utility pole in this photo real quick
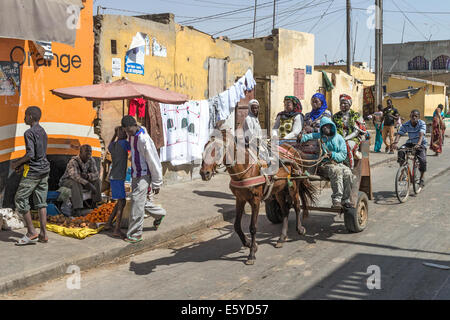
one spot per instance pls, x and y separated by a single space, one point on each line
354 42
378 52
274 5
326 60
254 20
349 46
370 59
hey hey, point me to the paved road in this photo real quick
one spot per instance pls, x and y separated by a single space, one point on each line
327 263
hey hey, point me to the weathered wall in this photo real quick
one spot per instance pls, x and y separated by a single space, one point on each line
365 76
265 51
397 55
296 51
184 70
346 84
69 123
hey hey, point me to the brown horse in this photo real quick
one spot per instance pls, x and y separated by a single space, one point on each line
286 191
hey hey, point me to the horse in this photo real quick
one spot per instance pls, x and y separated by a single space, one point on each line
248 184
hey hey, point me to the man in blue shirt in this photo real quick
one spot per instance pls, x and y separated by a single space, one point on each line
416 130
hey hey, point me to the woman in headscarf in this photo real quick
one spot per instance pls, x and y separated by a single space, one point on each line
319 110
289 123
438 131
351 126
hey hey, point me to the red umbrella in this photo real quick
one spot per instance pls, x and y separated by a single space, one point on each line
120 90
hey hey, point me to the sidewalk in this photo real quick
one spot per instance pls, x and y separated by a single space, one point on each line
190 206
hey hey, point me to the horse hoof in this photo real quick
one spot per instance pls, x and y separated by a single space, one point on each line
301 231
279 245
250 262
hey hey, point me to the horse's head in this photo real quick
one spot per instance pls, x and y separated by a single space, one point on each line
209 165
215 153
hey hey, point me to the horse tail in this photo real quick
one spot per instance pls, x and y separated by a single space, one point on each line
308 195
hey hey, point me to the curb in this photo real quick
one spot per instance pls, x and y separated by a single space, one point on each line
87 262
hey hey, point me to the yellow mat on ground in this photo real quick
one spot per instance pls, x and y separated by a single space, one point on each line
78 233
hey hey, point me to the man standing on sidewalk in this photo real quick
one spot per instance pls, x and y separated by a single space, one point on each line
390 117
146 169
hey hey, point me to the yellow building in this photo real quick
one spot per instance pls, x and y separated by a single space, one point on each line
365 76
284 65
412 93
178 58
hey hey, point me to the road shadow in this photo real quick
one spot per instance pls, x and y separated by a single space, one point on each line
228 246
375 277
388 198
215 194
10 236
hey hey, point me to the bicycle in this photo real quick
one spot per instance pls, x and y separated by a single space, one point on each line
405 176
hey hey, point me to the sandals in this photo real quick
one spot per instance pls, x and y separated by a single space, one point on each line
132 239
25 240
157 222
42 239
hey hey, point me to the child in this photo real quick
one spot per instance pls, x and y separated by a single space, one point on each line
34 178
416 130
119 154
341 177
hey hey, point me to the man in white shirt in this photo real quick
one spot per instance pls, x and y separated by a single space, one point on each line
146 169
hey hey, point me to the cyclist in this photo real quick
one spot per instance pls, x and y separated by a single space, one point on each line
416 130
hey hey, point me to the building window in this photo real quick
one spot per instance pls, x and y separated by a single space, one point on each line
418 63
441 63
299 83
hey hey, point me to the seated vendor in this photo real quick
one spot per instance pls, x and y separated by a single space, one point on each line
289 123
351 126
82 174
332 167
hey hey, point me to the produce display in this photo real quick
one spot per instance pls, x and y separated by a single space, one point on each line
98 215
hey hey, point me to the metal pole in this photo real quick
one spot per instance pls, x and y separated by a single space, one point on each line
274 4
370 59
378 52
349 48
354 42
254 20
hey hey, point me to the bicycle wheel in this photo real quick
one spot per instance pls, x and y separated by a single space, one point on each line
416 177
402 183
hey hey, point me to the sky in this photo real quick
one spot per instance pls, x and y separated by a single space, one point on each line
326 19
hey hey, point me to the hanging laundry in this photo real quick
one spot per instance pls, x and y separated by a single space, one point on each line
250 81
153 123
232 98
213 105
185 131
137 104
224 105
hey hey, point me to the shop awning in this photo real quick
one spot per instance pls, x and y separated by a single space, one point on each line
403 93
120 90
40 20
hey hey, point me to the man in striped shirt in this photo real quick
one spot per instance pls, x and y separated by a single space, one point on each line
146 170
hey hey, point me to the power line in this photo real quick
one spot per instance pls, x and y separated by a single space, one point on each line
321 17
398 11
227 13
407 18
245 24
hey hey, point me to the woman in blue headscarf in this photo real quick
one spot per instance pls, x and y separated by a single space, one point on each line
319 110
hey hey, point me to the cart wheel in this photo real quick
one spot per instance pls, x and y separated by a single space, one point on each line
355 219
273 211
